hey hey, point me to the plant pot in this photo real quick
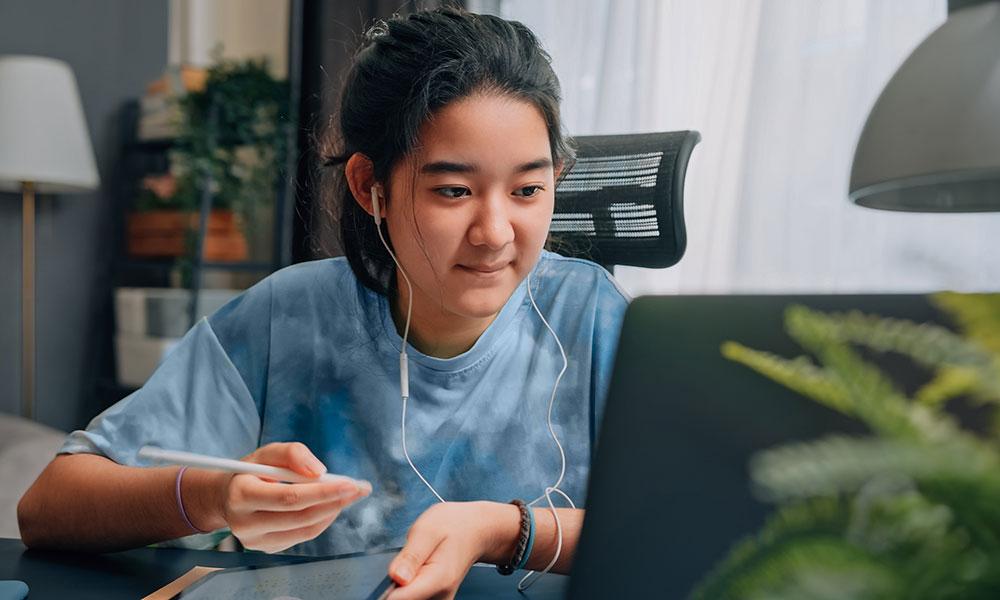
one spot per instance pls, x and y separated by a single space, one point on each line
162 233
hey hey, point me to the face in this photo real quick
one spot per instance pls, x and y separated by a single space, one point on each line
468 211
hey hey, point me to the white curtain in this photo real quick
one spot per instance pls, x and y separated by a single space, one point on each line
779 90
237 29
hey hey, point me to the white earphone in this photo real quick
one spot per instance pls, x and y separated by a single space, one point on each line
404 387
404 370
376 209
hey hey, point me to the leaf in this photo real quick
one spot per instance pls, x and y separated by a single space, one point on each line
799 553
964 476
798 374
977 316
950 382
839 464
928 344
875 399
913 512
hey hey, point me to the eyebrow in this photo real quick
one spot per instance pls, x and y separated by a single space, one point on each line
446 166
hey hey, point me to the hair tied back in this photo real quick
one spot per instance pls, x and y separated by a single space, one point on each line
378 29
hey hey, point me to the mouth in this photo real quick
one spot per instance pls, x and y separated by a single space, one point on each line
485 269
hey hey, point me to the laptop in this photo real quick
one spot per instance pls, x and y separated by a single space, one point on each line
669 492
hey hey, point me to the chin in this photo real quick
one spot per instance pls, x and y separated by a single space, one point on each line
481 307
480 311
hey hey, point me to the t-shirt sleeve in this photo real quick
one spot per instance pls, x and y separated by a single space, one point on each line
197 400
608 316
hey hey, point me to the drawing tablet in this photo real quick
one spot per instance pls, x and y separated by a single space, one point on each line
353 577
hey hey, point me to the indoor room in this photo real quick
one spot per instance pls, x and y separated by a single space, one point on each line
499 298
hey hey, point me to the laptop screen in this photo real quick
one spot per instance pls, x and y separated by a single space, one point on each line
669 492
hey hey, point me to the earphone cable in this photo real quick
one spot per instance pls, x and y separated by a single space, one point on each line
526 581
552 398
409 288
404 374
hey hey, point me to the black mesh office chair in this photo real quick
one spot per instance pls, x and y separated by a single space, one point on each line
623 201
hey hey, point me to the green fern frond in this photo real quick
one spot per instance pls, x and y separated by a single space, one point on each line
876 400
847 383
925 542
926 343
820 569
973 506
948 383
804 535
817 518
831 389
913 513
904 526
963 476
907 547
841 464
977 316
798 374
929 345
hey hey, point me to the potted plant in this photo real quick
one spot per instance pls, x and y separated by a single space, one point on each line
232 140
911 511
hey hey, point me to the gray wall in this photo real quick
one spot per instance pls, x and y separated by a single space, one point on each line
115 47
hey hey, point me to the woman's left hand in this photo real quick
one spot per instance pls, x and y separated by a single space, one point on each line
446 540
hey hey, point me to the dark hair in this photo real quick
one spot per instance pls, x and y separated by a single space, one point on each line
408 68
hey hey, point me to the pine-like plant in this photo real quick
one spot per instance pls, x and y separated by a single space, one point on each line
911 511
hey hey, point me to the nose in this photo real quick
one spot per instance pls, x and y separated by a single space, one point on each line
491 226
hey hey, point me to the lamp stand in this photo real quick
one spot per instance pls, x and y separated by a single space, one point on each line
28 299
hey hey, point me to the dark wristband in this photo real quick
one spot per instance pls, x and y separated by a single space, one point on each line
523 537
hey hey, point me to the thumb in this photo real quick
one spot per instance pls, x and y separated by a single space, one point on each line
290 455
421 542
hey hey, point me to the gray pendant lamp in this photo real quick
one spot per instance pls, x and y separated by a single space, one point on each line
932 140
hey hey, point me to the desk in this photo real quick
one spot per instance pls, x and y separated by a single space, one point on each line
136 573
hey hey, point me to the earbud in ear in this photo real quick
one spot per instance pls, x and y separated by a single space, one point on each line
376 209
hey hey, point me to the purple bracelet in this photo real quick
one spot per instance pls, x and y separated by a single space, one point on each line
180 505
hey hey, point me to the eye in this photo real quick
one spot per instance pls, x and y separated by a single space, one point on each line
453 192
528 191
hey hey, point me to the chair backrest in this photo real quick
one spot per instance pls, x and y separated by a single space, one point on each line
622 203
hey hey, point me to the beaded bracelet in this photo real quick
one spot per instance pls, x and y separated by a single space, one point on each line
180 505
525 539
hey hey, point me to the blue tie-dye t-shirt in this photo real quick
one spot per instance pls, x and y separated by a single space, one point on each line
310 355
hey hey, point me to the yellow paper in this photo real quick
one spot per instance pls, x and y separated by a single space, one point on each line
174 587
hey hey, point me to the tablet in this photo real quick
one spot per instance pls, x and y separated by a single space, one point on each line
353 577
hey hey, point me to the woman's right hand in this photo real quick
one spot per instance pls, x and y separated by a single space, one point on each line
271 516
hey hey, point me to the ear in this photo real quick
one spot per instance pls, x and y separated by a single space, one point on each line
558 170
360 178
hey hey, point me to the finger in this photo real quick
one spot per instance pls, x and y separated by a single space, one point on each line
276 541
268 521
421 542
261 526
253 494
290 455
434 580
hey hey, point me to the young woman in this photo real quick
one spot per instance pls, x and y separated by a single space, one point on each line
448 151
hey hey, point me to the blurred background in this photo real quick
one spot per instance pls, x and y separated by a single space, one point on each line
181 97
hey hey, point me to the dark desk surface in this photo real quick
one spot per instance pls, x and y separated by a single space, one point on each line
137 573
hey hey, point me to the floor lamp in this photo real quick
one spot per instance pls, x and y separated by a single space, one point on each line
44 148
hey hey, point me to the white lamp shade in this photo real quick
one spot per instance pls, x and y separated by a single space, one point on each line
43 133
932 140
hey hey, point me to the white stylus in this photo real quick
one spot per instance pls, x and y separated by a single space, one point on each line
226 465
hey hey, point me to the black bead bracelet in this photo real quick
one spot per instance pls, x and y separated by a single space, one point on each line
517 561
